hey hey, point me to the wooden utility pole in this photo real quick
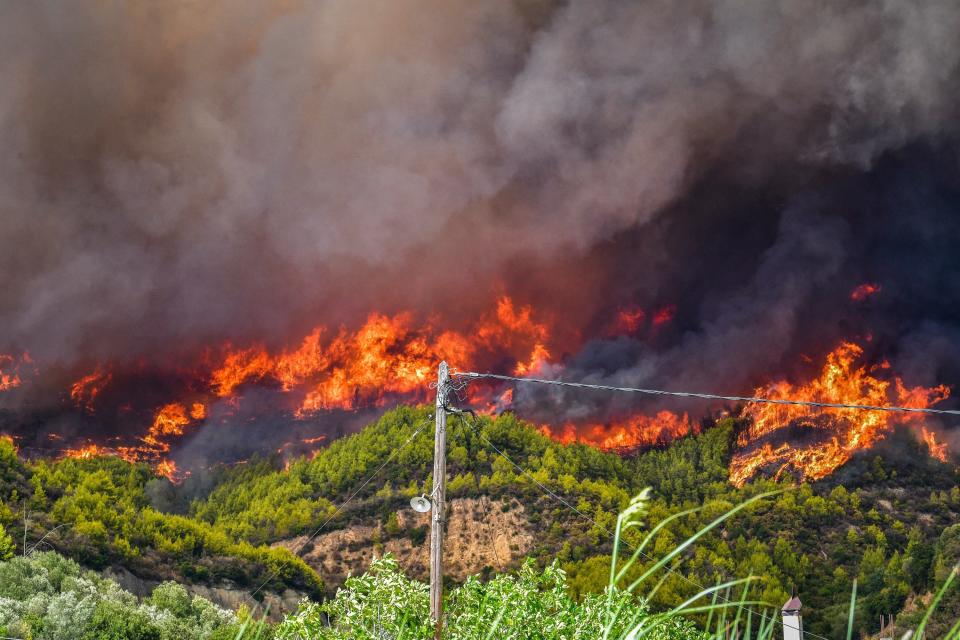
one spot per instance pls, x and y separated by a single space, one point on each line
439 489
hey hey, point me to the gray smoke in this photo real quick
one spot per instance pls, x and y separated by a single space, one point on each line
176 173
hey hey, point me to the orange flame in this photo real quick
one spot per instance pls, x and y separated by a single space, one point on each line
10 370
88 451
515 330
840 382
631 433
84 391
390 357
168 469
386 356
169 421
198 411
937 449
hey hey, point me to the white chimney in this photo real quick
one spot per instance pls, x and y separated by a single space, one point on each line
792 620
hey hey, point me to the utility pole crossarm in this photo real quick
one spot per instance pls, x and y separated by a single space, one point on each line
439 499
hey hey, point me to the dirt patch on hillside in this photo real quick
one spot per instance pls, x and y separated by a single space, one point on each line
480 533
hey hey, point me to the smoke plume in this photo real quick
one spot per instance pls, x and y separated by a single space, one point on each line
175 175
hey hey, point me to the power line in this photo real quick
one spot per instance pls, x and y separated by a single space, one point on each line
393 454
706 396
583 515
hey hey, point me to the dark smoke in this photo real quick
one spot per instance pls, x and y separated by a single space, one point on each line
179 174
895 224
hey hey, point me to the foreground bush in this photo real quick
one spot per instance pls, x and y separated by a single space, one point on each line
48 597
383 603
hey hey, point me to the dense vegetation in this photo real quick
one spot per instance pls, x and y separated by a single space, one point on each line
97 512
48 596
887 519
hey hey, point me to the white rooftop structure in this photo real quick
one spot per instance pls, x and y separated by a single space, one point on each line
792 620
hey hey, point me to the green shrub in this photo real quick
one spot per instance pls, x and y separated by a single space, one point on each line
48 597
113 621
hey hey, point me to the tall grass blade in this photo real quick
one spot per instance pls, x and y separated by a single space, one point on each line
713 602
699 534
853 606
936 601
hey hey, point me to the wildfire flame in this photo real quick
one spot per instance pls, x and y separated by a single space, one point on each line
89 451
937 449
168 468
841 381
84 391
170 421
392 358
386 358
631 433
10 370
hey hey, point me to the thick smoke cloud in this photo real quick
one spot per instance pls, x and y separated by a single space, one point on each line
179 173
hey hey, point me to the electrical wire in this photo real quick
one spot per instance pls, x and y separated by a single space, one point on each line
705 396
353 495
583 515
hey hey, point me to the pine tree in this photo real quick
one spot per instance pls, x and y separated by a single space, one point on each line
7 547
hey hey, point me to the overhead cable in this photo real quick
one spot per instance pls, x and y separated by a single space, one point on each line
705 396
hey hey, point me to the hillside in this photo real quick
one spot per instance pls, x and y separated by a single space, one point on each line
884 519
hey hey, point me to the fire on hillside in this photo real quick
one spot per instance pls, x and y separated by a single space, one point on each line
391 359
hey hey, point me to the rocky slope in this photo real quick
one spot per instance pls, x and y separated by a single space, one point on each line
481 534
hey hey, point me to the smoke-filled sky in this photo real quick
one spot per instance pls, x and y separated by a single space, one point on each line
180 173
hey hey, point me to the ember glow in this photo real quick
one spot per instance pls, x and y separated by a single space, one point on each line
628 321
664 315
830 436
864 291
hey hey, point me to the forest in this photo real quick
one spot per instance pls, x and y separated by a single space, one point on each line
886 520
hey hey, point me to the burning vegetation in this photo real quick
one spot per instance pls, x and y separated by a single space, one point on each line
388 359
10 370
391 358
630 434
814 443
